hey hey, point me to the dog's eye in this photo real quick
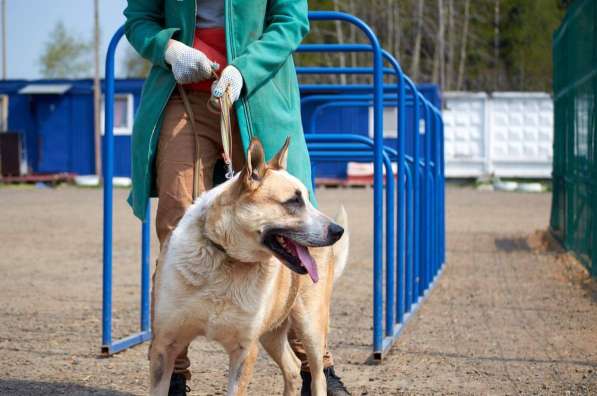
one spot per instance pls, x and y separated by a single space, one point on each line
295 202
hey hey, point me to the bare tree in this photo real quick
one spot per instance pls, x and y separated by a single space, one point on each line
463 42
340 37
451 37
353 39
496 43
397 28
439 53
389 25
418 17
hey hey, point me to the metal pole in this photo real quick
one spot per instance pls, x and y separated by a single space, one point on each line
412 269
402 191
145 270
97 95
4 39
377 167
108 198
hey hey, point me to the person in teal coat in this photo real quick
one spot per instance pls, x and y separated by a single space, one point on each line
249 45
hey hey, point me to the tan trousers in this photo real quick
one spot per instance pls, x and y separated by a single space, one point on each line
174 166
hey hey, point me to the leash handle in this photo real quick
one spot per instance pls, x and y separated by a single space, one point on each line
225 126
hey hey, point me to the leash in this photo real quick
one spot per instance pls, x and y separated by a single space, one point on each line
225 131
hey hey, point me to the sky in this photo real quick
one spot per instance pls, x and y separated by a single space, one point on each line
30 22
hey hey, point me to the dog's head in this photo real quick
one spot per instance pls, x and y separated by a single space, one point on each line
266 211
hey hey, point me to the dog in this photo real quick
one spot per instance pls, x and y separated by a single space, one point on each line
250 259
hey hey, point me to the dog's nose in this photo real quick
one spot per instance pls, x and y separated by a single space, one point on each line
335 231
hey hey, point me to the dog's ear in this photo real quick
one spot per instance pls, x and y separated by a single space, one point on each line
255 167
280 160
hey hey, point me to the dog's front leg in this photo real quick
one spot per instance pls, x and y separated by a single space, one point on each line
241 361
276 344
312 333
161 365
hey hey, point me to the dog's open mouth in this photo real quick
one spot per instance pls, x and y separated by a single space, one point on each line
294 255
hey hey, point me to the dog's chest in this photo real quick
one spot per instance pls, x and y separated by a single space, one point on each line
247 304
235 301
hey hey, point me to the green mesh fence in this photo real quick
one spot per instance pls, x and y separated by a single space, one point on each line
574 202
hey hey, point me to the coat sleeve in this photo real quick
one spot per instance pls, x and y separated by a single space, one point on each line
144 29
287 24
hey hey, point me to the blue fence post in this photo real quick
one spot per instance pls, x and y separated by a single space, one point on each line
412 276
109 346
438 194
145 270
108 168
394 268
426 268
377 169
402 191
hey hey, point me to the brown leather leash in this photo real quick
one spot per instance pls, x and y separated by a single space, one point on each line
225 131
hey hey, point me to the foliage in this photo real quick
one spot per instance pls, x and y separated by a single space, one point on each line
478 45
66 55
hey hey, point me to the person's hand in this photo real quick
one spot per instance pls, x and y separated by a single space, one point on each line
230 81
189 65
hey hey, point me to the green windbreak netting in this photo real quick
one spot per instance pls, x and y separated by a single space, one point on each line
574 202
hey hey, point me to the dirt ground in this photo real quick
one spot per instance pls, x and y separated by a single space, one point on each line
503 319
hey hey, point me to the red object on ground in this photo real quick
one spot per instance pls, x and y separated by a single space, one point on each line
212 42
39 177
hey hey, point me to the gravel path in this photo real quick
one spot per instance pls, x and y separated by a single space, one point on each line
504 318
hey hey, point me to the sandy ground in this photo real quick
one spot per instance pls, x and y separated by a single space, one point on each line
504 319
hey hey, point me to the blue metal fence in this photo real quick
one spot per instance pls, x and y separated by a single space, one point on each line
408 226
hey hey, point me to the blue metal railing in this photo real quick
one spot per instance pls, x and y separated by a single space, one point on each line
409 271
414 274
109 346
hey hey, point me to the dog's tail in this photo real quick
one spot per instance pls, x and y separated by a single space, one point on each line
340 248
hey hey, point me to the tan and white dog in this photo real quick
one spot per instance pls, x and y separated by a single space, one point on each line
234 271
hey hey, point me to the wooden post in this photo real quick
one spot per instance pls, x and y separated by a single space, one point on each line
4 39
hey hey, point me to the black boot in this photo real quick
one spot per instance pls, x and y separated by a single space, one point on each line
335 387
178 385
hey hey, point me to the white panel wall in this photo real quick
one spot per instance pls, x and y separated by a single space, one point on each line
508 134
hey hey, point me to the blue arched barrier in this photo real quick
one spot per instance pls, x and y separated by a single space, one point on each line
410 271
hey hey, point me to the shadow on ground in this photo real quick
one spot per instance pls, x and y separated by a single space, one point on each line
510 245
15 387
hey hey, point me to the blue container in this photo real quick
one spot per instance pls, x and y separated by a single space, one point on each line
55 120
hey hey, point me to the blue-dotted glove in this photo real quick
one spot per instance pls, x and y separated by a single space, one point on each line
230 81
189 65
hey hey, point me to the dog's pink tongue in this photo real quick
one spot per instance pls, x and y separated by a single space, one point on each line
308 262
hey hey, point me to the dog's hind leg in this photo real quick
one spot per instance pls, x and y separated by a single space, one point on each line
276 344
242 359
161 365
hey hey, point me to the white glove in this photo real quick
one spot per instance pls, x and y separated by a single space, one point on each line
230 80
189 65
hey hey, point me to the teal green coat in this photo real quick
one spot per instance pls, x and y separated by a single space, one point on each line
261 36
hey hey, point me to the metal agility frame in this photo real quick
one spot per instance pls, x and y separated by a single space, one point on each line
409 224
